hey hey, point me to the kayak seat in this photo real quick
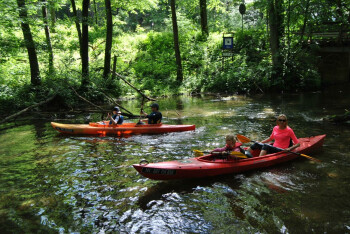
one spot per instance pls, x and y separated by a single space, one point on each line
215 158
224 157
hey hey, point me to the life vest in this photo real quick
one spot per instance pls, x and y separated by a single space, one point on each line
120 120
235 148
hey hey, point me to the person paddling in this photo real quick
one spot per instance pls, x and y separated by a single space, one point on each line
116 118
283 136
155 117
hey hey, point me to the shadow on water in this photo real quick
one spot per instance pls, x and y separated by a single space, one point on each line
180 186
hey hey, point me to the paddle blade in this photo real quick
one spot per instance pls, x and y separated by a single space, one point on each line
243 139
238 154
198 153
311 158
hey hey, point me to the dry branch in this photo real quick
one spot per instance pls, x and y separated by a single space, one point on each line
84 99
129 114
139 91
115 103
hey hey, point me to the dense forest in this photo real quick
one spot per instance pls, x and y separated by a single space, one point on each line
161 47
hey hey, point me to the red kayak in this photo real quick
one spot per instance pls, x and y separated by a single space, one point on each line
210 165
119 130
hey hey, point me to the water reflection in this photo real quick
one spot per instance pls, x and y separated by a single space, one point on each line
57 183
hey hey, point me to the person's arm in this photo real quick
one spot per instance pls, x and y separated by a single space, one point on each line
271 138
143 113
293 147
295 141
108 117
219 149
114 121
267 140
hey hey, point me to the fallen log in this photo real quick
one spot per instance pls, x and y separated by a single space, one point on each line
339 118
27 109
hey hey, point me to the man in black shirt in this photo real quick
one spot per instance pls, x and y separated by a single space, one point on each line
155 117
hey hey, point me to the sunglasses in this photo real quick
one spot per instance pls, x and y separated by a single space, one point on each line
282 120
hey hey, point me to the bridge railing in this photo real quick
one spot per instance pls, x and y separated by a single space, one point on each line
328 33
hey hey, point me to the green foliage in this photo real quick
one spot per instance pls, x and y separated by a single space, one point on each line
301 70
252 43
143 44
246 71
157 51
155 63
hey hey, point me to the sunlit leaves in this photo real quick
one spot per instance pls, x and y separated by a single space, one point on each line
136 5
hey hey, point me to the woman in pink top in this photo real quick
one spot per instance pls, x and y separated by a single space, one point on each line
283 136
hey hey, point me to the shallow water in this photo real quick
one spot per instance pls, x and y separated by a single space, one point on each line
68 184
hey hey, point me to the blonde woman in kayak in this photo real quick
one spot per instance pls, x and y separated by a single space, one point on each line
282 135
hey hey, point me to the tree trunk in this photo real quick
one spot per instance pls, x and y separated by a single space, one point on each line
52 15
203 13
114 67
306 12
288 28
48 38
95 9
348 15
340 17
179 77
276 32
85 44
109 34
267 23
76 19
29 42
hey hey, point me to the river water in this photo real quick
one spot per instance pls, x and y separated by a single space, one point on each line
51 183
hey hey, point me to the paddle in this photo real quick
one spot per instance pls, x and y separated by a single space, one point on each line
245 139
140 122
233 153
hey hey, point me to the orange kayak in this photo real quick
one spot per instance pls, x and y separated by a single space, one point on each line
119 130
